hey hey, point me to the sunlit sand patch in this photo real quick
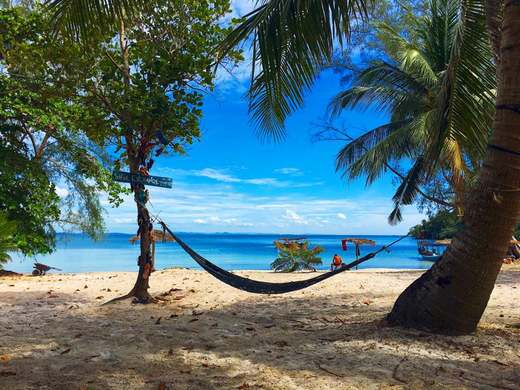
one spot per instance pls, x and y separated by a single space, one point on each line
330 336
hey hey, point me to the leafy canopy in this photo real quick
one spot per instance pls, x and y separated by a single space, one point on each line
44 145
444 224
27 199
7 240
149 73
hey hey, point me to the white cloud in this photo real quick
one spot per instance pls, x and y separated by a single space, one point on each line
289 171
217 206
265 181
225 177
294 217
216 175
62 192
341 216
217 221
234 79
240 8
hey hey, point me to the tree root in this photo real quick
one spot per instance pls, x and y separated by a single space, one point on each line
122 298
131 294
142 300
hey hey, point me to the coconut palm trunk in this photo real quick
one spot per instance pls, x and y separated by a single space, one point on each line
452 295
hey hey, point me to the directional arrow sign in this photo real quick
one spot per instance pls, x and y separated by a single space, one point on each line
157 181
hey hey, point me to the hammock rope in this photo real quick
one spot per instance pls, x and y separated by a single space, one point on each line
259 287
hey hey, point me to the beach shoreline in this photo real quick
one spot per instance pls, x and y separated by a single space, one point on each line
203 334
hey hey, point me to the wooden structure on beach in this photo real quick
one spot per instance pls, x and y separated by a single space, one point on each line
357 243
155 236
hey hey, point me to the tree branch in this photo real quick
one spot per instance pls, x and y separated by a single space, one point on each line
106 102
30 135
39 152
107 54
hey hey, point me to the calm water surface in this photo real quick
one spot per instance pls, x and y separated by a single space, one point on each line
78 253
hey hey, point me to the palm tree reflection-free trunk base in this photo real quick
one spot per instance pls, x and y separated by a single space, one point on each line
452 296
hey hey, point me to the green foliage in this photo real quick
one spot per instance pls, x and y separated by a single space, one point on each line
7 239
27 197
444 224
296 256
291 39
437 83
42 122
65 106
80 19
148 74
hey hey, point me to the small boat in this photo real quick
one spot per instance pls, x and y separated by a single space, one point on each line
432 250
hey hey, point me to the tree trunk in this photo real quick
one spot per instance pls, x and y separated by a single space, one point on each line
140 290
452 295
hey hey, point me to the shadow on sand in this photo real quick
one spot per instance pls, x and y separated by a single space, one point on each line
278 342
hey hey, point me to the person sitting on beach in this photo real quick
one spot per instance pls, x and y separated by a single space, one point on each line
337 262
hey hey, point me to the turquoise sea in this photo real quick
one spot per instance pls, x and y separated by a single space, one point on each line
78 253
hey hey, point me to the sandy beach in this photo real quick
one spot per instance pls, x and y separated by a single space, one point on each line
205 335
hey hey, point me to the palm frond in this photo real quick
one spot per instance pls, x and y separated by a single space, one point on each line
437 32
383 145
376 98
80 18
444 83
466 98
407 191
356 149
410 57
291 40
382 87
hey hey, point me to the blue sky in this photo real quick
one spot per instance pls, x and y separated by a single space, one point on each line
231 181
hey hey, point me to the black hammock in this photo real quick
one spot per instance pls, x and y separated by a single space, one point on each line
259 287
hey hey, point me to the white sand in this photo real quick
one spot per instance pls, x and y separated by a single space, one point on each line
55 335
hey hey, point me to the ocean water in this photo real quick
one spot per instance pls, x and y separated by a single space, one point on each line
78 253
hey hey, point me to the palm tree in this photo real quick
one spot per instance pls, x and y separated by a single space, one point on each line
453 294
7 241
408 83
296 256
292 38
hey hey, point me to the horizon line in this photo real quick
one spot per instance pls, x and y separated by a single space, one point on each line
254 233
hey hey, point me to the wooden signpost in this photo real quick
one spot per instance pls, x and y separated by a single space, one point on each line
157 181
